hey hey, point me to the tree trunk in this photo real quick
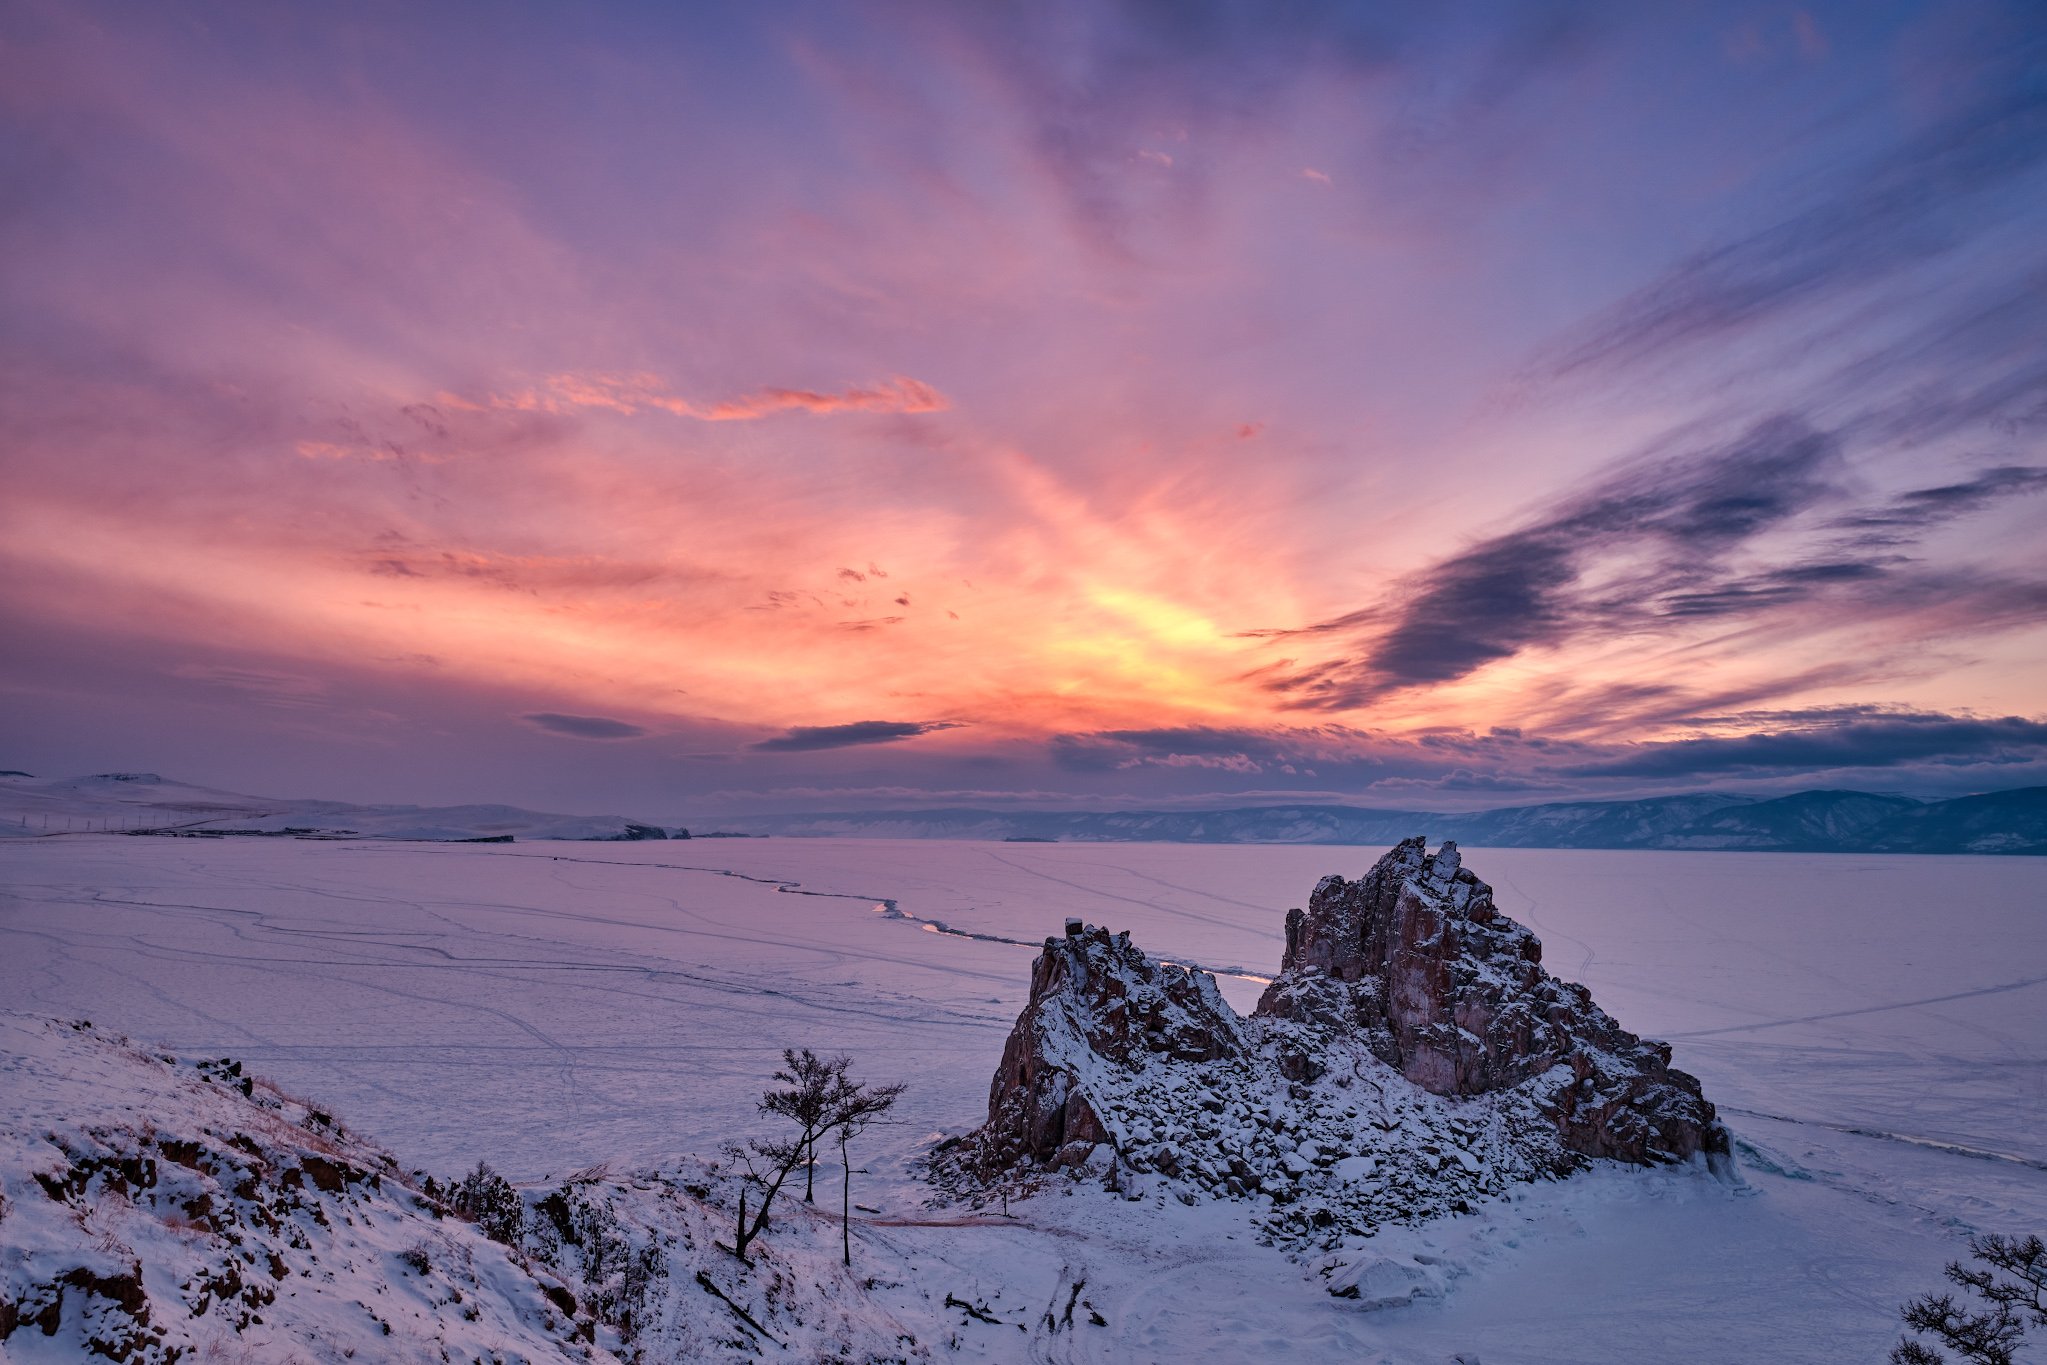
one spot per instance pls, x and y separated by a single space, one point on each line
810 1171
845 1202
760 1218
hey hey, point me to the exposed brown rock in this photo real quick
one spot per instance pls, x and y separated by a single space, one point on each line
1410 966
1416 957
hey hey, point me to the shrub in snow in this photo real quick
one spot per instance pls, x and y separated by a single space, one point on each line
488 1200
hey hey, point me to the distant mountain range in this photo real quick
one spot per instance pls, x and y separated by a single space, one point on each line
144 803
1808 822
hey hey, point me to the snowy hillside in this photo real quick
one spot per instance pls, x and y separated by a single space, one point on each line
157 1208
154 1208
145 802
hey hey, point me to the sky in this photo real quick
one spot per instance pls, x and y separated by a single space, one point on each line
686 408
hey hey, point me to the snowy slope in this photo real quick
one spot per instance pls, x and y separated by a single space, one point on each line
153 1208
156 1208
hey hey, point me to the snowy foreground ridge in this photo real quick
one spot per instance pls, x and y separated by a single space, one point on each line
158 1209
1411 1057
154 1209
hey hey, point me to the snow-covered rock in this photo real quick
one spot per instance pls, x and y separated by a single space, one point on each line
1098 1001
1411 1057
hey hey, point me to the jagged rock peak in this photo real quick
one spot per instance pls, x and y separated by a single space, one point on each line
1096 999
1416 958
1344 932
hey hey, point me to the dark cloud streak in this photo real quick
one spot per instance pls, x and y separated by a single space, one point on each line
1656 545
809 738
1922 748
1885 741
1924 508
583 727
1679 516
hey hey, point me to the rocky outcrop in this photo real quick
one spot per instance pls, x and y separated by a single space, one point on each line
1411 1054
1096 1000
1415 957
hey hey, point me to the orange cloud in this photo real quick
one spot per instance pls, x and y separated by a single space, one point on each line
633 393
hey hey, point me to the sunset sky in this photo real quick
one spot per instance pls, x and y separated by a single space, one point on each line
684 408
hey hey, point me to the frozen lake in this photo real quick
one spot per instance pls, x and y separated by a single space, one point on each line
1873 1028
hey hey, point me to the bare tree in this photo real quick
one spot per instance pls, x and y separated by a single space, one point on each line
2012 1283
815 1085
857 1107
809 1097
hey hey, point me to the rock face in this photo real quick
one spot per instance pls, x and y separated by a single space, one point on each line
1096 1000
1412 1053
1451 993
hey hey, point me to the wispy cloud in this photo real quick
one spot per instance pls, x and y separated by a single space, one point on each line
1922 509
1919 200
629 394
1735 532
809 738
583 727
1677 519
262 686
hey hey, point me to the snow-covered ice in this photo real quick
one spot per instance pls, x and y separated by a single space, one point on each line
1874 1029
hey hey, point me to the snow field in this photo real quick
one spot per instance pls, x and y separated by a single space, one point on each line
1872 1028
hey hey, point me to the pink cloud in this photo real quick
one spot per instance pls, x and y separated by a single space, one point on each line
634 393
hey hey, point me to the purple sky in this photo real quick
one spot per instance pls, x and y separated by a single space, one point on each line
679 409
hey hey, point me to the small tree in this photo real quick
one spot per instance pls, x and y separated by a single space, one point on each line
810 1091
858 1105
2012 1284
815 1085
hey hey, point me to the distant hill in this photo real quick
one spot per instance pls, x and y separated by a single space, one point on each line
1807 822
147 803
